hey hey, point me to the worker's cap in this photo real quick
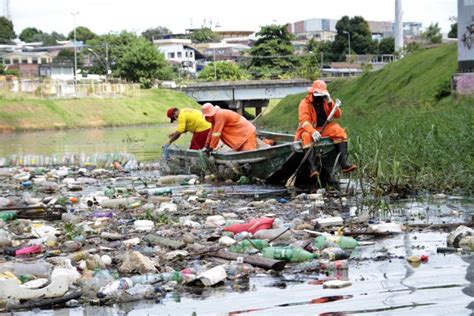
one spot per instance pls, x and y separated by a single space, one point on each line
319 88
170 114
209 110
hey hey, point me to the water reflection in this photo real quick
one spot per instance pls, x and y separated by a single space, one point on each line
144 142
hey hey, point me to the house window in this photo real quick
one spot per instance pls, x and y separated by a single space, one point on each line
170 55
180 54
186 53
44 61
190 54
6 61
15 61
24 60
34 60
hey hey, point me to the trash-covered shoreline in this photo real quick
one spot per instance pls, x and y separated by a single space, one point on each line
90 236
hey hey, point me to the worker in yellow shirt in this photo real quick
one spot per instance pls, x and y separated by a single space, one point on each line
189 120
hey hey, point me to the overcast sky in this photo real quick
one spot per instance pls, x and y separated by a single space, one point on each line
103 16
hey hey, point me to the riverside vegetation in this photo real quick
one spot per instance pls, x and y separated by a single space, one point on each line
407 133
147 107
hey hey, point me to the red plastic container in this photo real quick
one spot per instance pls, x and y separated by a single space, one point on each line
252 227
29 250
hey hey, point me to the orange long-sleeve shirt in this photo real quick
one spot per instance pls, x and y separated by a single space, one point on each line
232 128
307 119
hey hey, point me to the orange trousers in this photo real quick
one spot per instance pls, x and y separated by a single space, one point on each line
332 130
250 143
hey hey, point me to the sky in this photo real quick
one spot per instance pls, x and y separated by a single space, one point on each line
104 16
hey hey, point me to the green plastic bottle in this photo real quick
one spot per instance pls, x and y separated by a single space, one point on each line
245 244
172 276
6 216
289 254
162 191
343 242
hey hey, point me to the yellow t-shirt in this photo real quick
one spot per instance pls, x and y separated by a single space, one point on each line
190 120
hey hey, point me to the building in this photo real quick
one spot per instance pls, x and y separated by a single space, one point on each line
319 29
14 58
26 63
223 51
179 52
383 29
236 37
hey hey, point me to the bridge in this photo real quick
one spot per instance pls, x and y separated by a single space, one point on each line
238 95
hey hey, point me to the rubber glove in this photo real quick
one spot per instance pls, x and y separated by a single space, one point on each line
316 136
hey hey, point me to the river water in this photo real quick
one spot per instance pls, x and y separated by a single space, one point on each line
387 286
144 142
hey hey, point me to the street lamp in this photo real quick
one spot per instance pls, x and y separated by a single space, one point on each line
349 41
106 64
75 50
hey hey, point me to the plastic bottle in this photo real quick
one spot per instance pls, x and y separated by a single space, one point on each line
334 253
29 250
160 191
245 244
467 243
71 246
235 268
272 233
289 254
8 215
147 278
252 226
459 233
333 265
172 276
115 287
325 241
39 268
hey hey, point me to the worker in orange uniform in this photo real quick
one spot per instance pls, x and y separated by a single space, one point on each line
234 129
313 112
189 120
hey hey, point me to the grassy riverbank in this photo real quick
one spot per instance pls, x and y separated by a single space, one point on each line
406 131
148 107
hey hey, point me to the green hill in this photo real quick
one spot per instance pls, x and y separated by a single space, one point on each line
406 130
148 107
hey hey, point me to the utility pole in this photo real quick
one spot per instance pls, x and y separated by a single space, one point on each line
107 67
75 46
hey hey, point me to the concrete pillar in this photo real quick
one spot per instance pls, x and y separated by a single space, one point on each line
466 36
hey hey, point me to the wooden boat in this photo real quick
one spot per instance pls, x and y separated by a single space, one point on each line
273 164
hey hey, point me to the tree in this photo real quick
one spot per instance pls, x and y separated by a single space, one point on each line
66 56
204 35
387 45
310 67
6 31
312 45
155 33
58 36
142 62
432 34
82 34
360 37
28 35
222 71
453 33
272 54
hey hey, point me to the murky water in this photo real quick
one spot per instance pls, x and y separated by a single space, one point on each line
443 286
144 142
383 283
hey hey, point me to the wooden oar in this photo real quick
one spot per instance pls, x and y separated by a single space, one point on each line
291 180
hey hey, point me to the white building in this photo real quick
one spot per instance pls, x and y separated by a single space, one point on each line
179 52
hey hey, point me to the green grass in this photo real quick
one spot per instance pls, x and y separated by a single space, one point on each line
147 108
406 131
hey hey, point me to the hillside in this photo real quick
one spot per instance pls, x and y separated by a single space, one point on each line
406 130
149 107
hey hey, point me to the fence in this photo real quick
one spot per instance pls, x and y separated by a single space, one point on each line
36 88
